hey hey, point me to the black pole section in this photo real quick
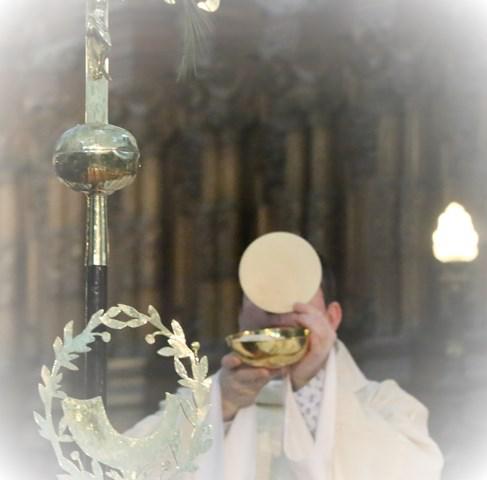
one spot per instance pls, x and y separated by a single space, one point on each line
96 361
96 266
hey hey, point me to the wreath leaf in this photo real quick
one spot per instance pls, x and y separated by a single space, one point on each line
180 368
178 330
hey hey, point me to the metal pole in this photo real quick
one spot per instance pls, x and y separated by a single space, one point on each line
96 270
97 47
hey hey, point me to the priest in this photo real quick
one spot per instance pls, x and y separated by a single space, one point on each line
320 418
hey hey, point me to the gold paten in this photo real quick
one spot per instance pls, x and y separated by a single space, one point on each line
270 347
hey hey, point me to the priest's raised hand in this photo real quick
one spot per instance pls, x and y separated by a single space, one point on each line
240 384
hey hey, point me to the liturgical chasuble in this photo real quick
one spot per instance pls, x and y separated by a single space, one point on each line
365 431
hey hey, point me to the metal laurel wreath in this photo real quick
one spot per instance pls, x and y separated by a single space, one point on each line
194 409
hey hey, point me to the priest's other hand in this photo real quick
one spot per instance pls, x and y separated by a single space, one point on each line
322 335
240 384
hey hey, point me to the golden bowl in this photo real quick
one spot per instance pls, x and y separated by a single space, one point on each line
270 347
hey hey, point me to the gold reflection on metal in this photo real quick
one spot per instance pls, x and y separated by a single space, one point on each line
92 430
270 347
96 158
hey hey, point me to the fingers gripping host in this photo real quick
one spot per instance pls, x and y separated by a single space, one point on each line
319 418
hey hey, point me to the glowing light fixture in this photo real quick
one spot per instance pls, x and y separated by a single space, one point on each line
455 238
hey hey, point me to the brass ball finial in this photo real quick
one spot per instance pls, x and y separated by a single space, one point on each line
96 158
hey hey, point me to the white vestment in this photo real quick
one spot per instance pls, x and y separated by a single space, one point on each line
366 431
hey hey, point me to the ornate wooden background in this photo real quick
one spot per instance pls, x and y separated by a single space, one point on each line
353 123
